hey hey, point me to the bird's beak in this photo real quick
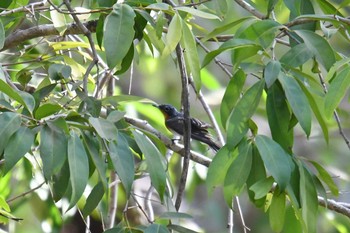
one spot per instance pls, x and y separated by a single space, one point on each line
155 105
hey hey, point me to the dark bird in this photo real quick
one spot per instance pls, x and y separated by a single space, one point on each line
174 121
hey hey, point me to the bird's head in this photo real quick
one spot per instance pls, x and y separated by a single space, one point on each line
167 110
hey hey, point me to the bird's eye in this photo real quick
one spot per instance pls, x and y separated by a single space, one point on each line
167 108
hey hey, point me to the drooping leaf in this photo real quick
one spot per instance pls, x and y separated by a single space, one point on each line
93 199
154 162
78 168
297 101
276 160
18 145
191 54
237 123
118 34
278 116
314 42
271 72
10 123
232 93
326 178
105 128
173 36
123 161
238 172
277 211
336 91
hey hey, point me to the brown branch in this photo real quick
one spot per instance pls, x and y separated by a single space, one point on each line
250 9
335 206
25 193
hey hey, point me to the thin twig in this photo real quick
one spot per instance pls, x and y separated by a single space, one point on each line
25 193
333 205
28 8
112 210
250 9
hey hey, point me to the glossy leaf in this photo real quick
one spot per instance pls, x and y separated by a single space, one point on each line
238 172
78 168
309 202
196 12
219 166
18 145
123 161
297 56
93 199
154 161
278 116
105 128
10 123
191 54
314 42
336 91
276 160
271 72
118 34
297 101
277 211
232 94
237 124
174 35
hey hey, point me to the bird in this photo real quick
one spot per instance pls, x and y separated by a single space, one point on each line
174 121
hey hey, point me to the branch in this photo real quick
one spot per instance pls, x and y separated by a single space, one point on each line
335 206
250 9
20 36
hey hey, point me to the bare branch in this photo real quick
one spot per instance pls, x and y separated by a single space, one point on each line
335 206
250 9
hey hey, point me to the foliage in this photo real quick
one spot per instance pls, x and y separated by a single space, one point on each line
63 100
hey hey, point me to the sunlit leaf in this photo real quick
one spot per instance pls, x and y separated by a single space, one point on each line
173 36
196 12
262 187
47 110
277 211
105 128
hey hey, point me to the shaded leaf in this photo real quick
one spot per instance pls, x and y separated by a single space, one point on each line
297 101
123 161
78 168
156 228
262 187
174 35
105 128
10 123
297 55
18 145
276 160
271 72
277 211
237 125
93 199
180 229
154 161
118 34
326 177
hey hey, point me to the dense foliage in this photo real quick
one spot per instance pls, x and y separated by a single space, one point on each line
80 137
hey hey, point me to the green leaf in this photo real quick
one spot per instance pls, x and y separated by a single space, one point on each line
154 161
309 201
78 168
180 229
276 160
297 55
46 110
237 124
18 145
105 128
297 101
230 45
173 36
59 71
127 60
232 95
326 178
314 42
175 215
277 211
279 116
93 149
93 106
271 72
2 35
10 123
21 97
336 91
53 149
238 172
220 29
118 34
156 228
60 182
219 166
262 32
123 161
93 199
191 54
196 12
262 187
